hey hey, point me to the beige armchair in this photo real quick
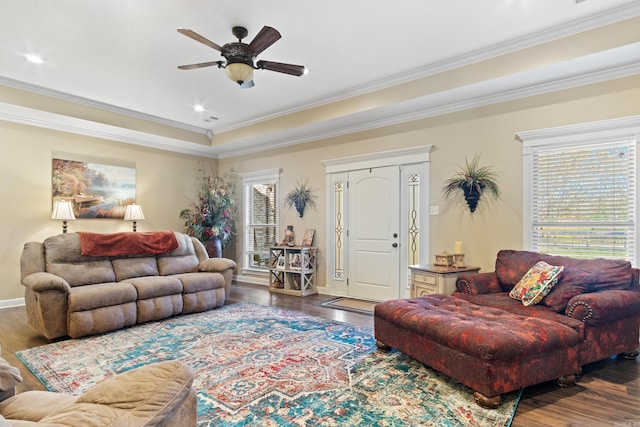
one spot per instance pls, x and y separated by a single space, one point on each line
159 394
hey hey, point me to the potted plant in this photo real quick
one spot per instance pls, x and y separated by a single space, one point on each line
300 197
473 181
211 218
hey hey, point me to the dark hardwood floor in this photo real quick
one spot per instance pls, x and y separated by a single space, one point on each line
608 393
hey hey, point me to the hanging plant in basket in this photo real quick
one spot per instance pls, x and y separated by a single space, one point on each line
472 181
300 197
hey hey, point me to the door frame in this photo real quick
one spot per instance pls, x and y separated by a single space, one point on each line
410 161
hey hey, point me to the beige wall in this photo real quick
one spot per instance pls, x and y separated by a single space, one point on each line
165 181
165 185
488 131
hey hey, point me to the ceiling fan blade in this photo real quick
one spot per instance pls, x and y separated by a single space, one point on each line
265 38
197 37
200 65
294 70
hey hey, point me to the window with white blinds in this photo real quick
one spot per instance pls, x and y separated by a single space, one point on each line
583 200
260 217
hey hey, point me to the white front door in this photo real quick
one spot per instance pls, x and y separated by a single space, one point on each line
374 228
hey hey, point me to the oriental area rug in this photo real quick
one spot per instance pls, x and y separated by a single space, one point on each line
264 366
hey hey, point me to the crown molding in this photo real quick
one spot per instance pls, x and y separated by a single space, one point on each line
603 66
591 22
47 120
63 96
591 69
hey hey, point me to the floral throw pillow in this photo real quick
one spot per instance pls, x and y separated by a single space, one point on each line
536 283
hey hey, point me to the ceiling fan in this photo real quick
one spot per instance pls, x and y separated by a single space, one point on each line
239 56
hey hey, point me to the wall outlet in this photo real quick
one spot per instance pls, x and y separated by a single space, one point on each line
434 210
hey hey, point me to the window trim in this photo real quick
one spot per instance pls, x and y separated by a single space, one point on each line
625 128
271 176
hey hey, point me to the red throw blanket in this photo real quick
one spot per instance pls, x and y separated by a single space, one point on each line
128 243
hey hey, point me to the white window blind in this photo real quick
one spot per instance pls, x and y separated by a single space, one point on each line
584 200
260 217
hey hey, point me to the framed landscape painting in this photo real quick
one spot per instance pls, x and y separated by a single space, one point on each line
96 190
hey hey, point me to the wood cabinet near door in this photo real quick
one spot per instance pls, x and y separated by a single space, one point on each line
436 279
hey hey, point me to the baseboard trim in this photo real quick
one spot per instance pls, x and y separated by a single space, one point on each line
7 303
252 279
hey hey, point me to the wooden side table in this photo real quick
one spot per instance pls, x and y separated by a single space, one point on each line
436 279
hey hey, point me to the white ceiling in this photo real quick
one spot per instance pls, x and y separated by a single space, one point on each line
122 55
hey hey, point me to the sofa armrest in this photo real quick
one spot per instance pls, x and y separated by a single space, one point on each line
216 265
46 298
145 396
45 282
34 405
9 377
224 266
598 308
478 283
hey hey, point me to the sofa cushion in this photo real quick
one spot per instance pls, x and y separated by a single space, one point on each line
203 281
464 326
82 298
511 265
63 258
503 301
536 283
126 268
156 286
574 281
101 319
183 259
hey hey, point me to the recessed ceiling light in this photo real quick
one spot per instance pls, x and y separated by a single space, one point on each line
198 108
34 58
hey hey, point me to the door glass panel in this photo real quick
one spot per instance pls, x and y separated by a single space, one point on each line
338 194
413 219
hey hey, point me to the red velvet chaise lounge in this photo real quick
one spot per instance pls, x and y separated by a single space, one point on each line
492 342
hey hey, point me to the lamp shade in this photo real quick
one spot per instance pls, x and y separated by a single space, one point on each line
133 213
63 209
239 72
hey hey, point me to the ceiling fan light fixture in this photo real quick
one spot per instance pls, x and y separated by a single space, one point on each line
239 56
239 72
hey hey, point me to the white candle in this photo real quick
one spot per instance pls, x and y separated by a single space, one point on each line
458 247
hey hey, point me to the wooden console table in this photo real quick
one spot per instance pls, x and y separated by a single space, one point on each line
436 279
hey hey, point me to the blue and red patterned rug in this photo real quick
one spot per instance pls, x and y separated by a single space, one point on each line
264 366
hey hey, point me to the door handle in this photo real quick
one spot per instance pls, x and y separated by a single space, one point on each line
395 245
